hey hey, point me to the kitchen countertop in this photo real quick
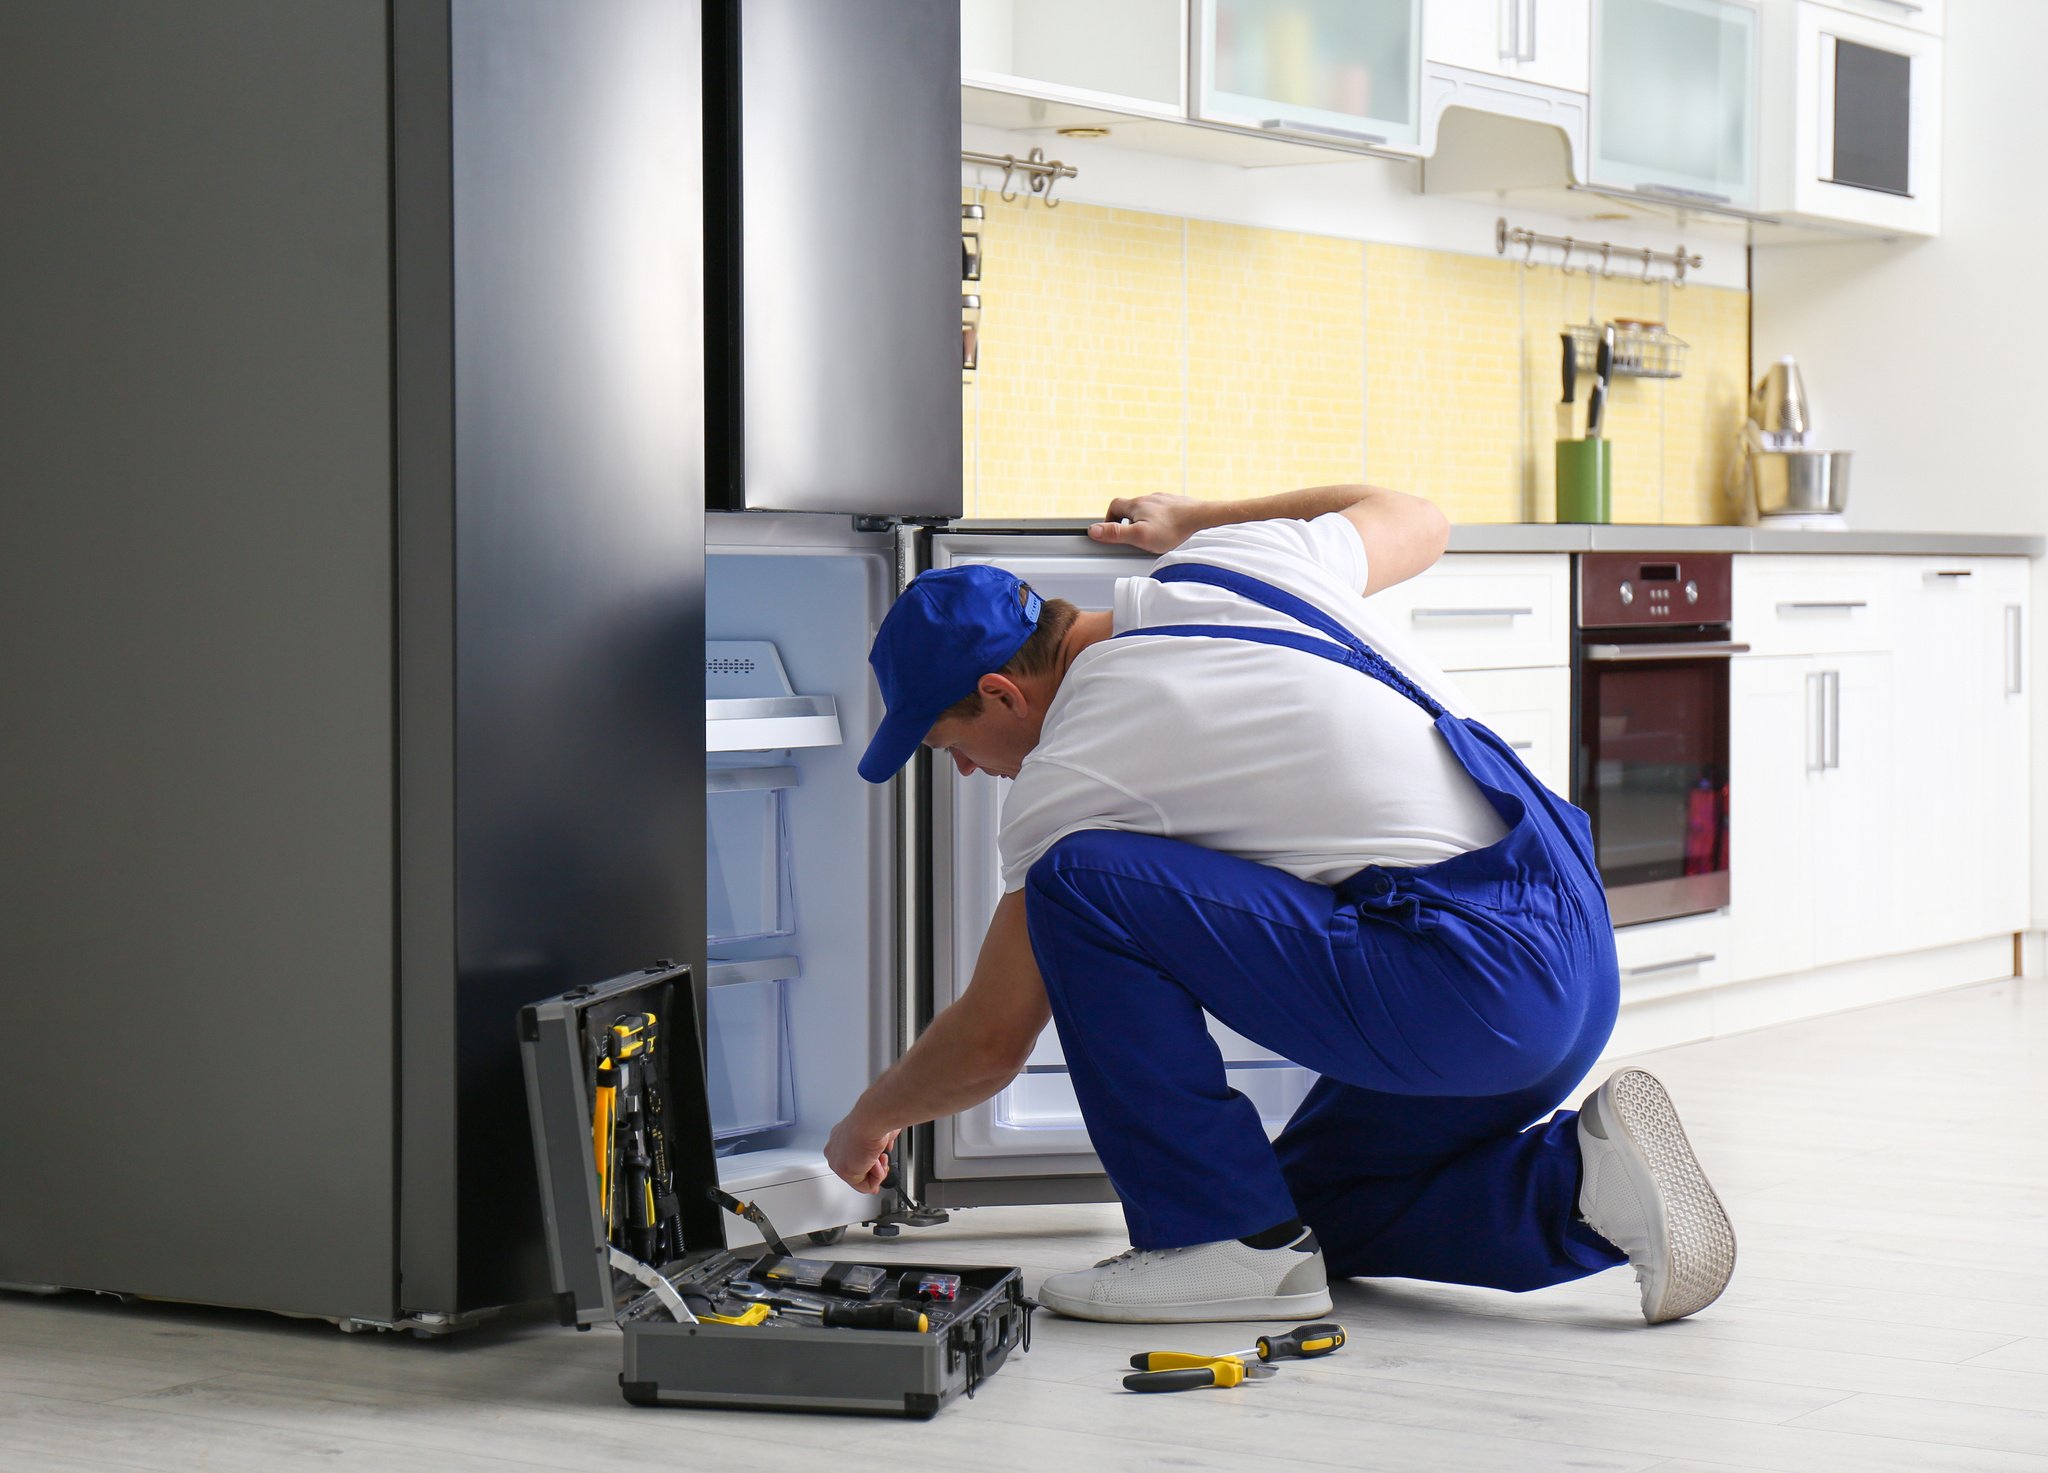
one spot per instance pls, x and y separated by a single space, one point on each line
1658 537
1653 537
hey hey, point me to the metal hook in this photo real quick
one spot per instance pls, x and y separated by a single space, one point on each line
1564 262
1007 194
1529 250
1678 266
1605 251
1647 260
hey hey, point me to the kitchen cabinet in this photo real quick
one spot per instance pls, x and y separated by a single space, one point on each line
1674 89
1485 611
1545 42
1531 710
1344 70
1851 117
1961 774
1810 819
1130 56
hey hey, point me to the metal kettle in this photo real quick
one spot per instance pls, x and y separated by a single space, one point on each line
1777 406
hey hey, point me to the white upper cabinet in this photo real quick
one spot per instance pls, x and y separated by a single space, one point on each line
1341 70
1126 55
1918 15
1851 118
1675 99
1545 42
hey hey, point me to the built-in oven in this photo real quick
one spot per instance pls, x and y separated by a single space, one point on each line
1650 728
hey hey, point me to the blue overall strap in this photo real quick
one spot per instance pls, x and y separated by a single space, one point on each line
1354 652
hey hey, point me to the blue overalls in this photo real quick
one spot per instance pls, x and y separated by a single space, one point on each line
1446 1007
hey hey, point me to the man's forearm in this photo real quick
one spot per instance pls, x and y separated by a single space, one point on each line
947 1070
1303 505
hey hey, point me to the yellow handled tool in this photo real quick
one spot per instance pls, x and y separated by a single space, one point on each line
1222 1372
753 1314
1303 1342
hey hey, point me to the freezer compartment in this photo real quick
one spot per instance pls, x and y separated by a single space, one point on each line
1033 1128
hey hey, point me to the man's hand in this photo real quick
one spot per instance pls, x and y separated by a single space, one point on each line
1159 522
858 1157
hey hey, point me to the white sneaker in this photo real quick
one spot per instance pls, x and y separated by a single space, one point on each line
1210 1281
1645 1193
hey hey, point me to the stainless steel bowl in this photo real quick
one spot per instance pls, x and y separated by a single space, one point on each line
1800 482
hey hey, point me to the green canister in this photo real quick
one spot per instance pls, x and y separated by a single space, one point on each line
1585 480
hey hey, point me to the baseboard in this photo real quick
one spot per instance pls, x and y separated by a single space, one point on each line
1740 1007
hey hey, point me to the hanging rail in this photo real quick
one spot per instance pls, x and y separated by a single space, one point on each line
1041 171
1635 263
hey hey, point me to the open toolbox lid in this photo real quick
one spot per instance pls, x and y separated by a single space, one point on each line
559 1041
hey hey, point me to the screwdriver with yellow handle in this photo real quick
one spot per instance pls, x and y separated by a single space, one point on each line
1174 1370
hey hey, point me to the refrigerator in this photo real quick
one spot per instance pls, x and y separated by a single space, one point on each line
351 432
839 915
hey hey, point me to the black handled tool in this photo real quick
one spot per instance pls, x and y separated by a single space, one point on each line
752 1212
1303 1342
1603 376
839 1316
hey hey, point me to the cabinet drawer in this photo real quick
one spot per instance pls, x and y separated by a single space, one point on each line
1664 958
1814 605
1531 710
1485 611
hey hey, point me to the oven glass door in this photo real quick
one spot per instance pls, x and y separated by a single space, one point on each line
1653 776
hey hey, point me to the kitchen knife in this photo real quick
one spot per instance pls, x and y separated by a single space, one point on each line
1603 370
1571 380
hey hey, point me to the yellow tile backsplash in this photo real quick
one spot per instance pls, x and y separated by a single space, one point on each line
1123 352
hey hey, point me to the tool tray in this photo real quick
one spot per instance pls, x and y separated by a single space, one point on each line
784 1362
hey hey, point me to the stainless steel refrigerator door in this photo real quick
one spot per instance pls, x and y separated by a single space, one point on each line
1029 1144
833 260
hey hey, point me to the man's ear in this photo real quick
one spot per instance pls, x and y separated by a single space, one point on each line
1003 690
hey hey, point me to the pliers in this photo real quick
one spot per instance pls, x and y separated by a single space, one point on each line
1176 1370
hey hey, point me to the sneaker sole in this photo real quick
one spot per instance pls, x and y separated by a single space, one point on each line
1699 1240
1279 1307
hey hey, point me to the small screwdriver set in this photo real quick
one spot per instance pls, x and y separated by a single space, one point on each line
636 1236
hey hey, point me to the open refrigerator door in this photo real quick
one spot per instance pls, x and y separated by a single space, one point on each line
1028 1143
801 888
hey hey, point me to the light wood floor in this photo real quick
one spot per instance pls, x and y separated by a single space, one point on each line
1887 1171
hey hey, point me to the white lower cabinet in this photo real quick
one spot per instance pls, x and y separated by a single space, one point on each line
1960 764
1809 829
1530 710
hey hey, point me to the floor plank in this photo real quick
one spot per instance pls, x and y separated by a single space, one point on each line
1889 1315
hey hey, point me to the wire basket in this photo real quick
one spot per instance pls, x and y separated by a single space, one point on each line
1641 349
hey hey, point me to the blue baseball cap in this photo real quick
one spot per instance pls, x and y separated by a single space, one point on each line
949 628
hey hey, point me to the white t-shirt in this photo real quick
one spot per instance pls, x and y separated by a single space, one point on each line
1270 754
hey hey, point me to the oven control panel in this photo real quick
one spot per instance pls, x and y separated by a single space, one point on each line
1620 590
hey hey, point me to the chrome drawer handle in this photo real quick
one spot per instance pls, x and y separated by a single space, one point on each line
1610 654
1469 613
1691 961
1847 603
1951 573
1522 746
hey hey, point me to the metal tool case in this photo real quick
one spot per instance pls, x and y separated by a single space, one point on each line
777 1364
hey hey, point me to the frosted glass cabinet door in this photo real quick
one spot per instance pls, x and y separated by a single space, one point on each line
1674 98
1345 69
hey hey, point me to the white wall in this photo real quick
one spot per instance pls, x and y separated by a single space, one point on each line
1926 359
